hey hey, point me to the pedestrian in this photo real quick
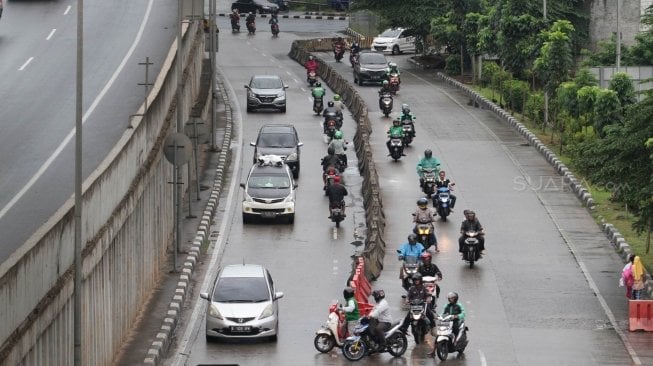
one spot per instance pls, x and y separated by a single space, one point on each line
639 278
627 276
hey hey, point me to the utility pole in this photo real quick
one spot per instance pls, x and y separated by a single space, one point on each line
546 92
180 104
213 37
618 37
77 311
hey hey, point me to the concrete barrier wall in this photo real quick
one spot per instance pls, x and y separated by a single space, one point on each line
374 251
127 229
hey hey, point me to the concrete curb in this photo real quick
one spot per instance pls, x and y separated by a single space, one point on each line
163 339
616 239
318 17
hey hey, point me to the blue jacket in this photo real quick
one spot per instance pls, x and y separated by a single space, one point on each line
408 250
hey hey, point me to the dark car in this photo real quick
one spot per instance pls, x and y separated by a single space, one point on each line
266 91
254 6
280 140
370 68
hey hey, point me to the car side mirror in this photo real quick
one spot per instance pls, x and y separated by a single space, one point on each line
295 185
246 86
252 143
204 295
300 144
242 185
286 86
278 295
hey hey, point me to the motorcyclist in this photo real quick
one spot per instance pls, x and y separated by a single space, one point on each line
409 249
407 117
250 20
332 112
350 308
339 43
427 268
235 19
329 160
425 215
355 48
456 309
443 181
336 193
273 19
395 131
318 91
380 318
428 161
311 65
471 223
385 89
391 69
337 102
339 146
418 292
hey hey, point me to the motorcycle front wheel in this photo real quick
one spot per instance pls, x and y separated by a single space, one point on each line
354 350
442 350
417 334
324 342
397 344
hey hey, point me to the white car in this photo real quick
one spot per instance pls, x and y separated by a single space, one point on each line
395 41
269 190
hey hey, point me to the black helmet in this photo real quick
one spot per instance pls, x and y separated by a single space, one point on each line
417 276
330 103
331 150
422 202
428 153
348 292
452 296
318 84
378 295
396 122
412 238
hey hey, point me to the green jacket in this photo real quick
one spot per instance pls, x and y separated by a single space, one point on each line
318 92
404 117
455 309
425 163
351 310
396 131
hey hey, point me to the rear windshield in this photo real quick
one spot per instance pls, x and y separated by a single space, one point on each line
391 33
276 140
372 58
241 289
266 83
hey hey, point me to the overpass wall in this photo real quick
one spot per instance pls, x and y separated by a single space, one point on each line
127 232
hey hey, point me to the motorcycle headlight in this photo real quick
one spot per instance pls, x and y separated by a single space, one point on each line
214 313
267 312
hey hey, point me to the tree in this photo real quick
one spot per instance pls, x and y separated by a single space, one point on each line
641 53
622 84
607 111
587 97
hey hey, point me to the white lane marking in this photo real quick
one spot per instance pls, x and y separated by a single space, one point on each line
303 89
310 100
24 66
335 233
67 10
483 359
289 73
51 34
194 324
264 55
297 81
90 110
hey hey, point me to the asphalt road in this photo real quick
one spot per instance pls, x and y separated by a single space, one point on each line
38 44
545 293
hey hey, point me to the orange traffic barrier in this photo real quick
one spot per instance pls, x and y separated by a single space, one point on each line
364 284
640 315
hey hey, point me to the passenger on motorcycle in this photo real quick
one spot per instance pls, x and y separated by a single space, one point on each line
380 318
457 310
423 215
428 161
391 69
351 309
443 181
395 132
427 268
407 117
418 292
336 193
339 146
471 223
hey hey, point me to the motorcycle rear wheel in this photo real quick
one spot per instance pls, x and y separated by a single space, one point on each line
354 350
397 344
442 351
324 342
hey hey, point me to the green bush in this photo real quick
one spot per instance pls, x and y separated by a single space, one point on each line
535 108
515 93
453 65
489 70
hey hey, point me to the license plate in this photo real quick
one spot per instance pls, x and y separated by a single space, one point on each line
240 329
375 77
268 215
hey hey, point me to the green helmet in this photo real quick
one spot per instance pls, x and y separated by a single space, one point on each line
337 135
336 97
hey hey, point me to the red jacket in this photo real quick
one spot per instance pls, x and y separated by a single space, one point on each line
311 65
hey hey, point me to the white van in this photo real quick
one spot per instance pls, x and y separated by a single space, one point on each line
395 41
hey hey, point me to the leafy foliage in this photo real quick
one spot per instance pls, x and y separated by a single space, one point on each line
515 93
622 84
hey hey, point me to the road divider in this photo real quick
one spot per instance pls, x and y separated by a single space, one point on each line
640 315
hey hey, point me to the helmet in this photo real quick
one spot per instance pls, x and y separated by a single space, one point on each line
348 292
311 57
385 83
426 255
422 202
417 276
452 297
428 153
336 97
250 13
412 238
318 84
330 104
235 11
355 44
396 122
392 64
331 150
469 213
378 295
404 107
337 135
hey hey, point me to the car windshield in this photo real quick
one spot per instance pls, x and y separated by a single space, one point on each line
266 83
280 181
372 58
276 140
241 289
390 33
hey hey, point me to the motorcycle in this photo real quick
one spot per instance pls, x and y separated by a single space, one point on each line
311 77
251 27
274 28
441 202
429 181
431 285
337 213
318 105
361 343
425 234
386 104
409 130
329 178
471 252
408 269
394 82
353 58
235 27
396 148
333 332
419 324
444 337
338 52
334 116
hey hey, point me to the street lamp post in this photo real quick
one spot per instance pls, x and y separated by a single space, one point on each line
77 306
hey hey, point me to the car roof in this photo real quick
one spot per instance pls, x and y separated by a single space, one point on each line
266 77
243 270
273 169
277 128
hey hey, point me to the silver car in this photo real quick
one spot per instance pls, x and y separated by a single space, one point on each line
243 304
266 91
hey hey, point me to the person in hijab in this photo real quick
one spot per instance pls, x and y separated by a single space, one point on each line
627 276
639 278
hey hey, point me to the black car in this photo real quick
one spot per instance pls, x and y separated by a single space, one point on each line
280 140
254 6
370 67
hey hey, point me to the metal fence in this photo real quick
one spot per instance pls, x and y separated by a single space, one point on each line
642 77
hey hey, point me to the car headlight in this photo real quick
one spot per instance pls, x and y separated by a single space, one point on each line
281 95
365 69
214 313
267 312
292 157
